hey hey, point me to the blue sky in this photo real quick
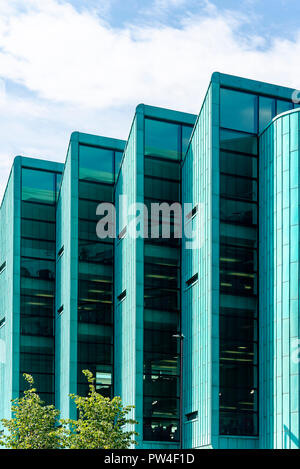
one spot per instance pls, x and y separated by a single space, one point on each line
280 17
70 65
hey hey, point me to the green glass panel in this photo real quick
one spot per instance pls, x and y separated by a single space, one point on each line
234 211
162 139
97 192
162 169
38 248
161 429
266 111
96 164
238 142
283 106
238 165
238 188
38 230
186 135
238 111
38 186
118 159
238 423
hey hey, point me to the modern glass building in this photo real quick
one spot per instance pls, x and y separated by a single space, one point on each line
201 337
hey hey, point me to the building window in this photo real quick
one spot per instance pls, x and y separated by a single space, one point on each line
96 164
238 110
122 233
2 267
192 416
162 139
191 281
61 251
192 213
122 296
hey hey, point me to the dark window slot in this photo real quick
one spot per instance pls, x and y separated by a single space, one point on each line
122 295
192 416
192 280
2 267
61 251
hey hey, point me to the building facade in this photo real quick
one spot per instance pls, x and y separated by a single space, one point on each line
196 326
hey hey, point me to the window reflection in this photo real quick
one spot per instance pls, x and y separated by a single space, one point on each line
266 111
39 189
238 394
38 186
98 168
238 110
162 285
96 164
162 139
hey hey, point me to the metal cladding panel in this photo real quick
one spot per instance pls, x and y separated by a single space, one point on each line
279 282
129 276
66 284
200 187
10 290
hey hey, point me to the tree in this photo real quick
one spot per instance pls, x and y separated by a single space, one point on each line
33 425
101 421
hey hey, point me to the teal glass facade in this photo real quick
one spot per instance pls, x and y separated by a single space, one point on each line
279 267
203 338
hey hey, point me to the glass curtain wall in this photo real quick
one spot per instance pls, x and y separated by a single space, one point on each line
242 116
97 169
164 144
39 192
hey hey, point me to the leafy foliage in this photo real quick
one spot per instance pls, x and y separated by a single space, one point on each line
101 422
34 425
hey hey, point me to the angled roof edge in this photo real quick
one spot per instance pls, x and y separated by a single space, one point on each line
98 140
38 163
246 84
167 114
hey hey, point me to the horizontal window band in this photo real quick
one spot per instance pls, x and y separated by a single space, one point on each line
239 153
238 176
148 177
241 132
37 220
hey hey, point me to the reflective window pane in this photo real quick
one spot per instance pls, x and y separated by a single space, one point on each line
238 165
238 142
238 212
38 186
162 139
186 135
118 159
283 106
162 169
238 110
266 111
238 188
96 164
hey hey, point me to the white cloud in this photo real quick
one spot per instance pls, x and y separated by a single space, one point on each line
71 57
82 73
